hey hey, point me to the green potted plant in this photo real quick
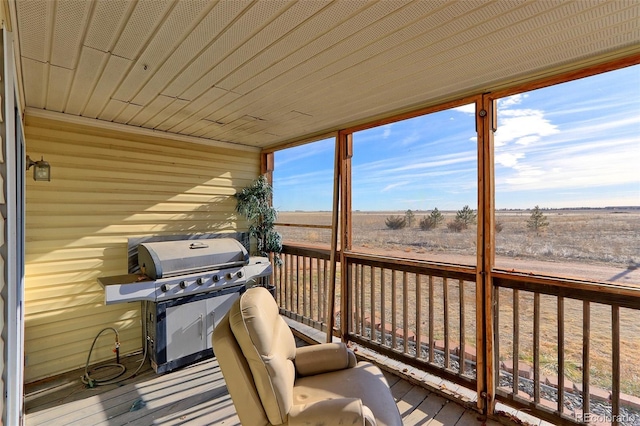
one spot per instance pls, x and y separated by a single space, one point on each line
254 203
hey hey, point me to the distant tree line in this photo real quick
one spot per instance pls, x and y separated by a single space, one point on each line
464 218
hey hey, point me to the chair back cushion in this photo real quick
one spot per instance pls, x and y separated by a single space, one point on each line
269 348
237 375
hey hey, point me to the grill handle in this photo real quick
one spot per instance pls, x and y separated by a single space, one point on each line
198 245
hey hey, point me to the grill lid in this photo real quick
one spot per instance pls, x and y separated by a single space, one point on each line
166 259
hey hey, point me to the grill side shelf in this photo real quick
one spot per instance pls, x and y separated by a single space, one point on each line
127 288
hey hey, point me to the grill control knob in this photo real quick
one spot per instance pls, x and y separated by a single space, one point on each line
215 278
229 276
239 274
183 284
200 281
165 287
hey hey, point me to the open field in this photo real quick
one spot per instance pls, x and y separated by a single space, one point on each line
599 245
608 240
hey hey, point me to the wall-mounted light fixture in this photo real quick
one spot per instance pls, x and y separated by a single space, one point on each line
42 169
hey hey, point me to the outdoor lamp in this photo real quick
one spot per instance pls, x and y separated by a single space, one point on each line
42 169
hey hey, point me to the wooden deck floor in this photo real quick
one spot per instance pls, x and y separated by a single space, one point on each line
194 395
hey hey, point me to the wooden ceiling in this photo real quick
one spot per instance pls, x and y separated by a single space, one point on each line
261 73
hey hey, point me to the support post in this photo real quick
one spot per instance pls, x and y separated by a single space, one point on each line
331 296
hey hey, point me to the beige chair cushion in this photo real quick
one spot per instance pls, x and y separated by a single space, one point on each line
269 347
365 381
324 358
237 375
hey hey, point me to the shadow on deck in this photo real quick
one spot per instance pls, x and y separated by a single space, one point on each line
194 395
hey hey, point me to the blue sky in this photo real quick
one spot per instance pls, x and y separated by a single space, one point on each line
570 145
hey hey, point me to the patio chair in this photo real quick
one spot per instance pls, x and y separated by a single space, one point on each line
271 382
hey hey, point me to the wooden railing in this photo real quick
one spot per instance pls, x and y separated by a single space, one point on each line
302 284
415 312
583 319
424 314
437 335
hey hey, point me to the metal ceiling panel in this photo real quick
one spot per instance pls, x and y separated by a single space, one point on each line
58 91
115 68
200 39
90 65
113 108
157 105
142 23
202 107
205 67
35 75
71 19
109 17
165 114
36 24
174 30
242 30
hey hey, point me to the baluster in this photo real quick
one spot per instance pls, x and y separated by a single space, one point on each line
615 368
515 356
445 297
394 309
405 311
305 312
431 341
418 315
289 282
586 362
325 281
536 347
496 334
362 302
383 324
560 354
373 304
462 354
318 290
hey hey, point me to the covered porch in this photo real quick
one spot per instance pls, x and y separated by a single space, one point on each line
154 114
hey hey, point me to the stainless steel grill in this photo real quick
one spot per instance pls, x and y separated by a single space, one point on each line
185 287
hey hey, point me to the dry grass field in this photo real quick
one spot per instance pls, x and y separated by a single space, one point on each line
599 245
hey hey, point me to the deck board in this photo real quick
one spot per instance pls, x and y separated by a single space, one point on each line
425 411
195 395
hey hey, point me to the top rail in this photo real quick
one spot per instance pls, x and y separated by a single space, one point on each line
303 225
425 267
623 295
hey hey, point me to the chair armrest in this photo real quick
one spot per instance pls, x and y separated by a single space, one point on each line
342 411
323 358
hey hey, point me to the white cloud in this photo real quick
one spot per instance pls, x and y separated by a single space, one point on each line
525 126
410 139
512 100
467 109
527 140
508 160
394 185
386 131
581 167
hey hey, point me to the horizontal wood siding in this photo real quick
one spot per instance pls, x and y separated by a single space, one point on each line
107 187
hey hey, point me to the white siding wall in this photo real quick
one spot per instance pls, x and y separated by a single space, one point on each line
106 187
